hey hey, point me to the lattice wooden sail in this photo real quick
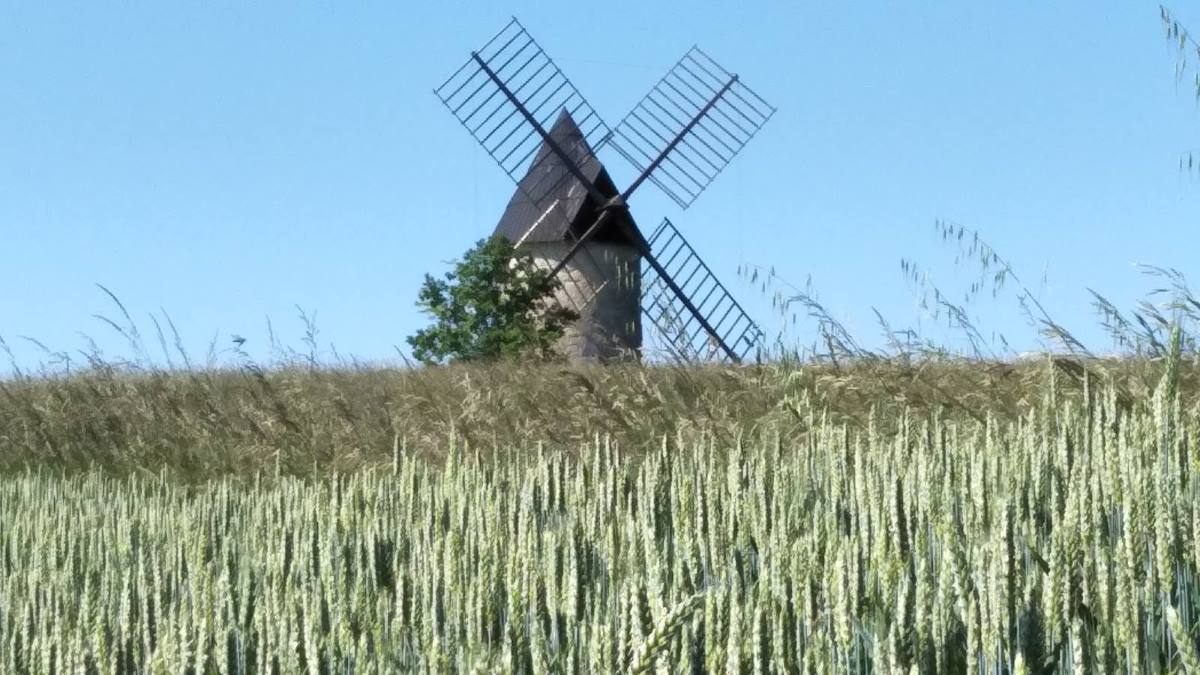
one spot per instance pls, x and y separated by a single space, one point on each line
507 95
681 328
701 114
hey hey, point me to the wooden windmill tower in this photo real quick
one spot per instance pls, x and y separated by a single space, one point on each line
571 217
602 282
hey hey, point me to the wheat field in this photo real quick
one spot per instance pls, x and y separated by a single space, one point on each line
1065 539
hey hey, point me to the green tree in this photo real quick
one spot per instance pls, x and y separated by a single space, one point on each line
495 303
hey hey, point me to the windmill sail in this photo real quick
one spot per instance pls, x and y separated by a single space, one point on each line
689 127
507 95
733 335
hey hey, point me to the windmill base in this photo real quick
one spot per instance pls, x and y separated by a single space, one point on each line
602 284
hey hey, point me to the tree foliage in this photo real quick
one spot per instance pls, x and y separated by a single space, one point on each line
494 303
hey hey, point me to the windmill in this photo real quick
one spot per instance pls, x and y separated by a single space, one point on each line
570 216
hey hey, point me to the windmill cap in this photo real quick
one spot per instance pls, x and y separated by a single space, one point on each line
551 203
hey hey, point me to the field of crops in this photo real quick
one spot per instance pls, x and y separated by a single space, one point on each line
1064 539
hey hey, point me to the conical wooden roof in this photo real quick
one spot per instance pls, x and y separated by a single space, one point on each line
550 203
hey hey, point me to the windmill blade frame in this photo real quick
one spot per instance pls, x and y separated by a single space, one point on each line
506 95
682 326
690 125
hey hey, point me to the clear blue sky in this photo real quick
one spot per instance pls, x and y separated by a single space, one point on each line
227 161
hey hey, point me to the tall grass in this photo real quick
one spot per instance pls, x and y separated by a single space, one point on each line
1062 539
203 423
